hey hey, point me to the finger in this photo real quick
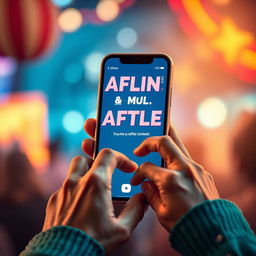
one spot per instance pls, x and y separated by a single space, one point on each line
106 162
78 167
176 138
133 212
90 127
88 147
165 146
152 195
147 171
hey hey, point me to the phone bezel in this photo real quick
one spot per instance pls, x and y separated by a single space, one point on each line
135 59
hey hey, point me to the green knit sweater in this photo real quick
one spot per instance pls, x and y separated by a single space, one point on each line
211 228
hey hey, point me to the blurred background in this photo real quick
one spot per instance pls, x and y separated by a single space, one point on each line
50 55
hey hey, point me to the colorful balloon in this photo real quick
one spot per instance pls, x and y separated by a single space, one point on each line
28 28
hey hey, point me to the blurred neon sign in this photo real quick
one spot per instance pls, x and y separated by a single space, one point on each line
235 47
24 120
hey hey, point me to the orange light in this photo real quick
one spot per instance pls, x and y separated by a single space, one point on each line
203 50
221 2
24 119
201 18
70 20
107 10
185 76
248 58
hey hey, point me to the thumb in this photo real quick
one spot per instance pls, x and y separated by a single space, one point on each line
133 212
151 193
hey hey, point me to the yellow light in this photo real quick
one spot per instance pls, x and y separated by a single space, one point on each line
70 20
231 41
107 10
25 116
212 113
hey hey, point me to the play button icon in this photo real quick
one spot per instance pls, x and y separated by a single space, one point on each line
126 188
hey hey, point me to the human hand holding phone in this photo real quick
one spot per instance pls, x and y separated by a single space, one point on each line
173 190
84 201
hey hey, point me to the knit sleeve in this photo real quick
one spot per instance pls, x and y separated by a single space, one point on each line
63 240
214 227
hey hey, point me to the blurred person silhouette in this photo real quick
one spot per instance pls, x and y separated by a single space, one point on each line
22 201
244 154
6 248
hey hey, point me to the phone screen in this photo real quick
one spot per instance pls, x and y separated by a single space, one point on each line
134 102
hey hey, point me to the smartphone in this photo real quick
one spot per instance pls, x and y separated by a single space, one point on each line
133 103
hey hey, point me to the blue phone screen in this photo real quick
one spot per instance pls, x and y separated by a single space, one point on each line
133 107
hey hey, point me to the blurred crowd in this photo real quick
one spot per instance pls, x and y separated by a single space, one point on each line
23 193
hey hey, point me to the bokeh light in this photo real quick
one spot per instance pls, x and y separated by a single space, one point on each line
73 73
212 113
127 37
92 114
7 66
92 65
248 102
70 20
73 121
107 10
186 76
24 120
62 3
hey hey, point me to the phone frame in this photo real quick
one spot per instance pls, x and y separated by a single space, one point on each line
131 58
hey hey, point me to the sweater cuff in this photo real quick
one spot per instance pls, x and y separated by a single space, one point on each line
63 240
208 228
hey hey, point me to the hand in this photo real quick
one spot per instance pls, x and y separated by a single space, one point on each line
88 144
173 190
84 201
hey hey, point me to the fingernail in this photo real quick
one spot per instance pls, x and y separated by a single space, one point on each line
135 150
145 188
134 164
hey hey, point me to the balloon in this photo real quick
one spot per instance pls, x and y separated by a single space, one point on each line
28 28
